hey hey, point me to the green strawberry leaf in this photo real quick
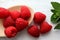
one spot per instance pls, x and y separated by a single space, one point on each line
56 5
57 26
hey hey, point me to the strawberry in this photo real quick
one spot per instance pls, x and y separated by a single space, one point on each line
45 27
8 22
21 24
10 31
34 31
39 17
4 13
25 12
15 14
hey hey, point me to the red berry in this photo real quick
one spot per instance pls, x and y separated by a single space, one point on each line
34 31
39 17
45 27
10 31
8 22
4 12
15 14
21 24
25 12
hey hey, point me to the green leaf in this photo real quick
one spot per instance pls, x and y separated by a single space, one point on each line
58 19
58 13
56 5
57 26
54 11
55 18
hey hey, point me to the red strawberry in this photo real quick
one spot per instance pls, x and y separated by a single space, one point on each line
8 22
4 12
10 31
34 31
39 17
15 14
21 24
25 12
45 27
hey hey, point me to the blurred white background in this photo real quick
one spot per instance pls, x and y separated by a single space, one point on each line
43 6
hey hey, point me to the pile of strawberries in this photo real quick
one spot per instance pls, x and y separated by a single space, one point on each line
15 22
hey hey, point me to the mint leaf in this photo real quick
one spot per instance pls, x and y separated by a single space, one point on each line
56 5
53 11
58 13
55 18
58 19
57 26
